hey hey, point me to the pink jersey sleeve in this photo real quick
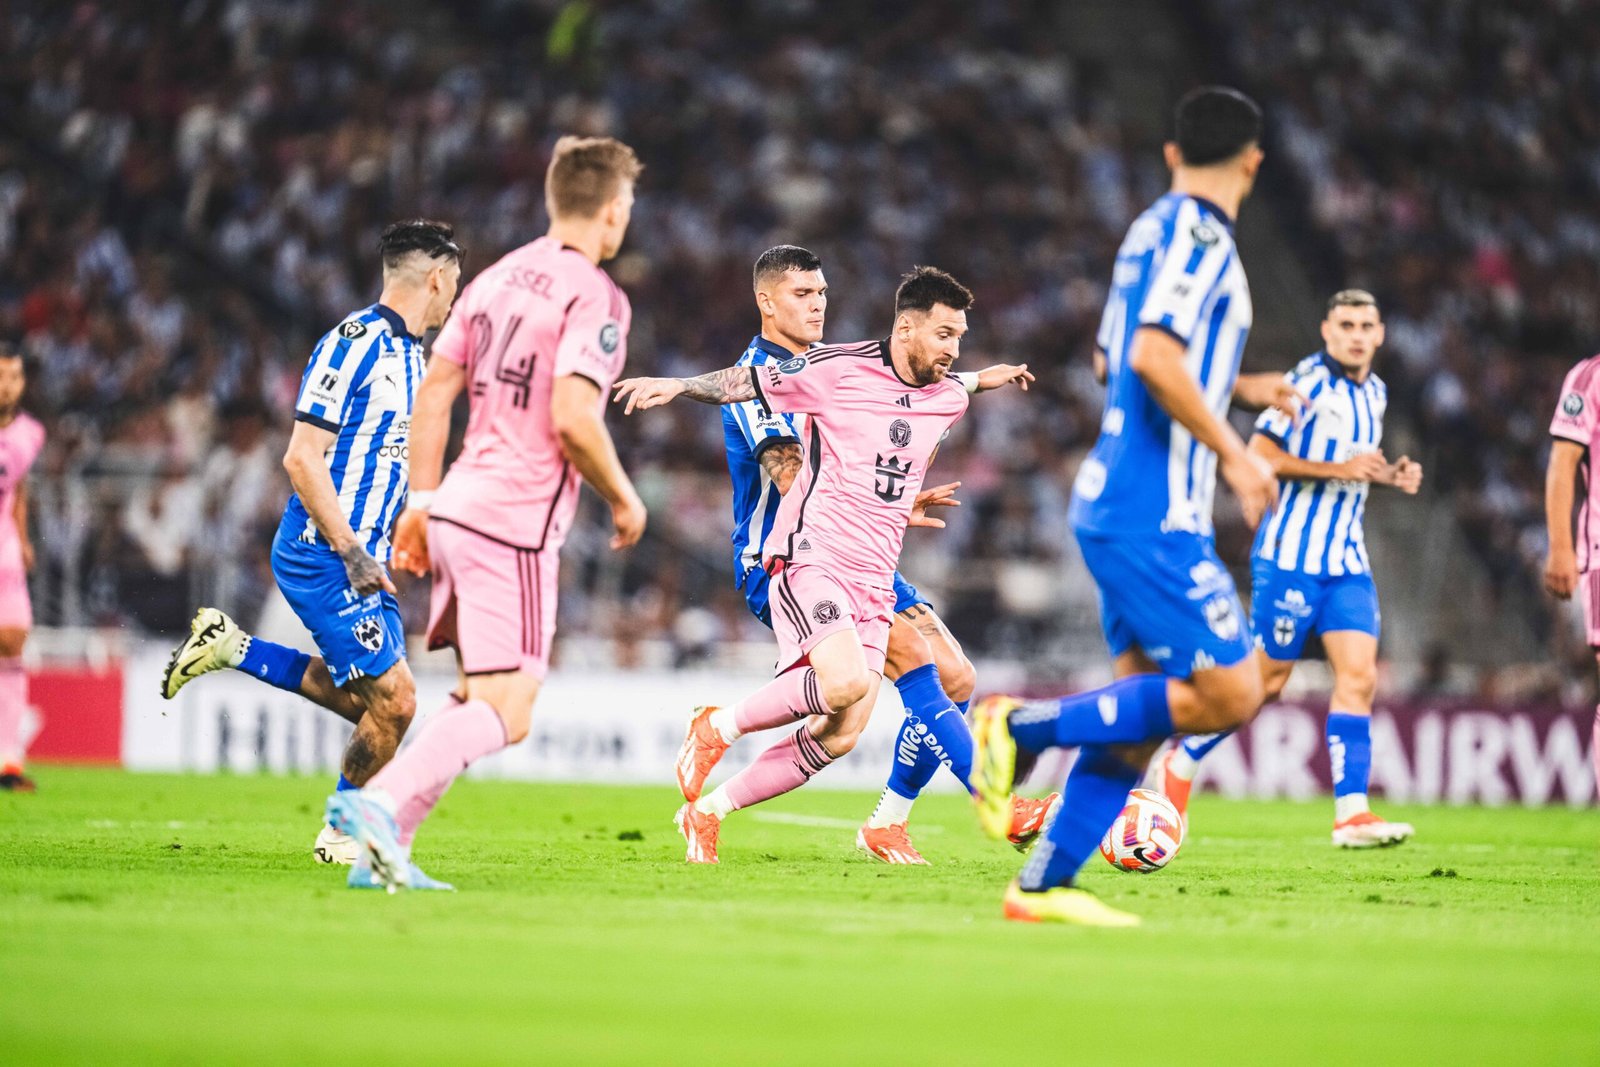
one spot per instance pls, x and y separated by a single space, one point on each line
799 386
1575 414
454 340
594 335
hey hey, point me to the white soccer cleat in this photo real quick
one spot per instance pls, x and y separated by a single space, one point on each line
334 847
213 644
1366 830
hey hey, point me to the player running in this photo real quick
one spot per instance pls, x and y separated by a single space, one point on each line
347 464
537 341
1575 431
21 439
923 659
1173 331
877 410
1309 568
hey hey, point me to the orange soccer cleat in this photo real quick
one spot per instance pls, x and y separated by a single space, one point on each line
700 830
702 748
1029 817
1368 830
1174 788
891 844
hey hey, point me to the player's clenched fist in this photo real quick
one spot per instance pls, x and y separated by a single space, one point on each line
1252 480
1561 573
642 393
629 517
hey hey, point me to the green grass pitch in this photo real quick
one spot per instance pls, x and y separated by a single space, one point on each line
175 919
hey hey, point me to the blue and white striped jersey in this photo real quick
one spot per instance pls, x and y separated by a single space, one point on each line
747 430
361 384
1316 527
1177 271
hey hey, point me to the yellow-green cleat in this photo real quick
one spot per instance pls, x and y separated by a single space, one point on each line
1064 904
213 644
994 763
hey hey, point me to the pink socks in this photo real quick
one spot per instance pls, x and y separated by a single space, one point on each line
787 698
448 743
13 701
787 765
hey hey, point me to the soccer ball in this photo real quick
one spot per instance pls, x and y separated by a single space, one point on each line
1145 836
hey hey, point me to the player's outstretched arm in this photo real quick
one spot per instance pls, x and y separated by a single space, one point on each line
731 385
1158 359
585 441
1367 467
997 377
1560 480
1257 392
308 473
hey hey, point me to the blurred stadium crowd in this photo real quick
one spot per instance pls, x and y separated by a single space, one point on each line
190 193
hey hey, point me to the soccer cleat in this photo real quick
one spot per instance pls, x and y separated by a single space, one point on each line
13 780
1367 830
1064 904
1029 817
891 844
361 877
375 832
702 748
334 847
212 645
994 764
700 830
1171 786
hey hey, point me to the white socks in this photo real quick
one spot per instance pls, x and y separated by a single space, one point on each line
717 802
722 721
1349 805
892 810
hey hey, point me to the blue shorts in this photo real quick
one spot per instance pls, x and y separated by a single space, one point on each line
755 595
1287 606
357 636
1169 595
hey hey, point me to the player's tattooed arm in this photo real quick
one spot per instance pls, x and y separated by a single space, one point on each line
366 574
782 464
731 385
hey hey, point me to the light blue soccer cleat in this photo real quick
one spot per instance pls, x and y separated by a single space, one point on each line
361 878
374 830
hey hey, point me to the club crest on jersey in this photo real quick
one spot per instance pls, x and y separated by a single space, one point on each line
899 433
825 612
351 330
1572 405
369 633
795 365
610 335
890 483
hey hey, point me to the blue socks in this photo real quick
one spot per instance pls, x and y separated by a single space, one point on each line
1124 712
277 665
1096 790
1350 752
1198 746
934 733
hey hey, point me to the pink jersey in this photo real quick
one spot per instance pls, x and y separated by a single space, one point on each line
867 446
540 313
20 442
1578 419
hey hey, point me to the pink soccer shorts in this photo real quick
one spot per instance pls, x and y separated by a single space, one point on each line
809 604
494 603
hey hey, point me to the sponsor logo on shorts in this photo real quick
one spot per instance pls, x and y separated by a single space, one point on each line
825 612
899 433
1223 617
369 632
1283 629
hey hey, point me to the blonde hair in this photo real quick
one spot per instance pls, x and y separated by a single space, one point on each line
586 173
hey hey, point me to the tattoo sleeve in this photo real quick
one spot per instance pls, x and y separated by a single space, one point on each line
732 385
782 464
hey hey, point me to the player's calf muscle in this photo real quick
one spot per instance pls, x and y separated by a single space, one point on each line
1222 698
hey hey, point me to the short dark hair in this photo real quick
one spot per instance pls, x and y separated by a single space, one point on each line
432 239
1353 298
585 173
926 286
9 350
781 259
1214 123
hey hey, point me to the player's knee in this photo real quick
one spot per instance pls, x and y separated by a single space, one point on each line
1233 697
1272 686
959 680
1358 684
517 725
844 692
839 737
